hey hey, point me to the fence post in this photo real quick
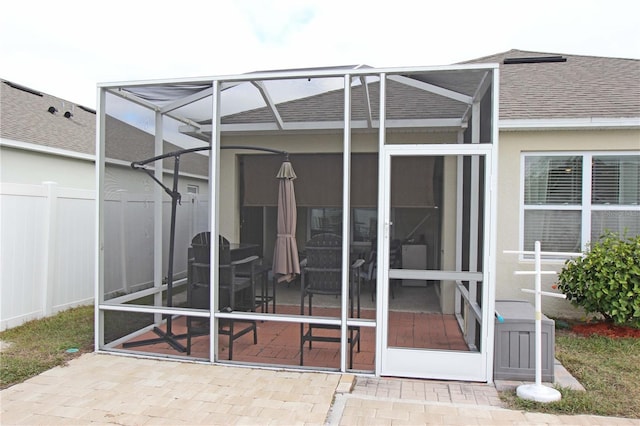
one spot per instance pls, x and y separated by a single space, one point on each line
50 243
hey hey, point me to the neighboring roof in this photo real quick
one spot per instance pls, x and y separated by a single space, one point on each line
580 87
25 117
128 143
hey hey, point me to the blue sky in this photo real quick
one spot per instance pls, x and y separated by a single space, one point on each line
66 48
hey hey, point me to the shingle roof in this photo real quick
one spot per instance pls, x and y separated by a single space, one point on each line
404 102
577 87
128 143
581 87
24 117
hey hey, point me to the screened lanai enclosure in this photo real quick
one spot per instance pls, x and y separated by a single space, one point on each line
327 219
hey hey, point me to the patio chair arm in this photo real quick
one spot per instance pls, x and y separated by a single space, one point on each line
245 261
357 264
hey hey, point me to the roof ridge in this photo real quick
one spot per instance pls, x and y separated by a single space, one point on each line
22 87
511 52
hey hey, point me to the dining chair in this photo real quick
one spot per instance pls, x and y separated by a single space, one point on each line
321 274
235 293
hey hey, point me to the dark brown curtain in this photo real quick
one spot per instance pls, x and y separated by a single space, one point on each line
319 182
412 181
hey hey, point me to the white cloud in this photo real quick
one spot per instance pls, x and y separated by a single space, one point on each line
277 22
65 49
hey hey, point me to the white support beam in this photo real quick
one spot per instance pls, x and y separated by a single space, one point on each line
158 195
482 88
432 88
474 213
99 276
133 98
436 275
270 104
484 85
346 218
382 249
452 123
214 218
367 101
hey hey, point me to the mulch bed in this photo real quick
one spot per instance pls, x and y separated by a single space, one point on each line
607 329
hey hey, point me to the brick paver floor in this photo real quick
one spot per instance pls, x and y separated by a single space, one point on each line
109 389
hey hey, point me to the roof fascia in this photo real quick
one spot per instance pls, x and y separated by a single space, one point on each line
43 149
428 87
270 104
569 124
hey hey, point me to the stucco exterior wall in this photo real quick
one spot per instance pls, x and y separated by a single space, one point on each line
298 143
512 145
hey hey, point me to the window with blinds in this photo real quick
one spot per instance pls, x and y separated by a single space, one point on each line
615 191
565 208
615 180
553 180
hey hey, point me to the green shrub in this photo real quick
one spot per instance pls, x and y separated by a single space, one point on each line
606 279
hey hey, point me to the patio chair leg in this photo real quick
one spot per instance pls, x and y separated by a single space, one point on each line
230 340
301 344
255 333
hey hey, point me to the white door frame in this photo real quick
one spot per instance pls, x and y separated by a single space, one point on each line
425 363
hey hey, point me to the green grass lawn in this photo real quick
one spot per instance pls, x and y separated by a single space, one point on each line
608 368
42 344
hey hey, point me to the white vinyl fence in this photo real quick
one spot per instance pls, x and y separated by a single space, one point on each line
129 239
46 251
48 246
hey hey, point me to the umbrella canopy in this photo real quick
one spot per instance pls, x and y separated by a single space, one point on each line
286 264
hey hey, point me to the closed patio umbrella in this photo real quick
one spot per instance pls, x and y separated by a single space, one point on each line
286 264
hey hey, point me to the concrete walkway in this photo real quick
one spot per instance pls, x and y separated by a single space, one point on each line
109 389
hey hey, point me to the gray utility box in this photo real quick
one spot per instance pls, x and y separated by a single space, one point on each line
515 343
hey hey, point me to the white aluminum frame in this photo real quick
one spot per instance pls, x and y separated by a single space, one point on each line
475 366
217 84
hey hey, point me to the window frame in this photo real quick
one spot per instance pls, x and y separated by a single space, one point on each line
586 207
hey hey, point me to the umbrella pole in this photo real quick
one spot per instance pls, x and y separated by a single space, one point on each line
168 336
